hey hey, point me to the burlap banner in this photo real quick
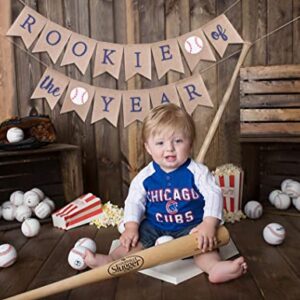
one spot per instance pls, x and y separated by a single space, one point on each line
137 57
107 102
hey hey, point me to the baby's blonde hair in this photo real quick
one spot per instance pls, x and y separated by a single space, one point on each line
168 117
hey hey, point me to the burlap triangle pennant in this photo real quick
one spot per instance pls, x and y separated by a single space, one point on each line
137 58
136 105
78 97
220 33
52 40
51 86
79 51
107 104
167 57
108 59
28 25
164 94
195 47
193 92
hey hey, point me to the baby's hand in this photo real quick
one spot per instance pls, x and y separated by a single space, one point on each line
207 240
130 236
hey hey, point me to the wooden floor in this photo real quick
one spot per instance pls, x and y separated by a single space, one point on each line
274 272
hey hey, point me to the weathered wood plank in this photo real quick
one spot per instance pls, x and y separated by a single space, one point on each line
106 135
254 20
275 114
201 12
7 70
228 134
269 100
270 72
286 129
280 45
270 87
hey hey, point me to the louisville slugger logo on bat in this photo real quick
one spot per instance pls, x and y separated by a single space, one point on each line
125 265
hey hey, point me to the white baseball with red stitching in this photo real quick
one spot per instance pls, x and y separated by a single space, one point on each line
8 255
274 234
76 258
86 243
79 95
31 227
193 44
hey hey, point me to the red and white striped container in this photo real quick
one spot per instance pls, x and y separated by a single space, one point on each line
232 189
81 211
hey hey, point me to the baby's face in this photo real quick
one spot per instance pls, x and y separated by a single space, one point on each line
169 151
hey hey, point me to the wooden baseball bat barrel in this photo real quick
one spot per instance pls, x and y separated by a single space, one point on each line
176 249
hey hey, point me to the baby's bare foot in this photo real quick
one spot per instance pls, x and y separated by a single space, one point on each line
227 270
96 260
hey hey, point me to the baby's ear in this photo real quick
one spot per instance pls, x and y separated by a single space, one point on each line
147 148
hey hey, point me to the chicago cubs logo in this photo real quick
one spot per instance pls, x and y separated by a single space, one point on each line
171 207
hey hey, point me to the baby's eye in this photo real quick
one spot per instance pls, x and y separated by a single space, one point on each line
160 143
178 141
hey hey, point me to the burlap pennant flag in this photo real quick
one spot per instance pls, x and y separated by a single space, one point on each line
51 86
52 40
221 33
108 59
79 51
137 58
28 25
195 47
107 104
136 105
167 57
78 98
193 92
164 94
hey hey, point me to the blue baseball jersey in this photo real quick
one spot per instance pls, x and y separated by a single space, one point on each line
173 200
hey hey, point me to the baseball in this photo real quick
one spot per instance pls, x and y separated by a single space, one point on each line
274 234
39 192
121 227
0 212
86 243
163 239
6 204
253 209
193 44
76 258
14 135
30 227
8 212
42 210
31 199
296 202
49 202
292 188
282 201
79 95
16 198
272 196
23 212
284 183
8 255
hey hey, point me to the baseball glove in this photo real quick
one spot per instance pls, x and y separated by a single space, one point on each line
38 131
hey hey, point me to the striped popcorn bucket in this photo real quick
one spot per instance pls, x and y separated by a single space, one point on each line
232 190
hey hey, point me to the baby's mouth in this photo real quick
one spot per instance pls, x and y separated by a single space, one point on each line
170 158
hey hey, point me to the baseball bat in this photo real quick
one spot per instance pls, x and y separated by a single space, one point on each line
176 249
217 118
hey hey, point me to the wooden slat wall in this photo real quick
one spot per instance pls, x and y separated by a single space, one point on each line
111 156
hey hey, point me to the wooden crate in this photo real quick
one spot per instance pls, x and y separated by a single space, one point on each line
55 169
270 103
